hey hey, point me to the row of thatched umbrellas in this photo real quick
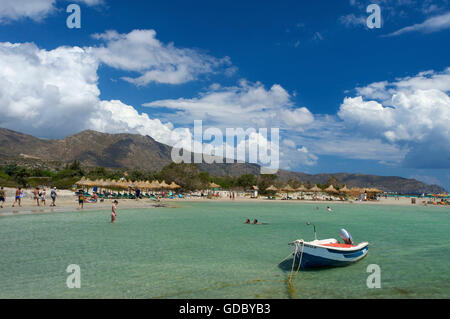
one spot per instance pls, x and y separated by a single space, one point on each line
314 189
329 189
124 184
155 185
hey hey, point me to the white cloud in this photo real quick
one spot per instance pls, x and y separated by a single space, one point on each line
248 104
89 2
297 119
46 92
289 143
415 116
11 10
365 114
141 52
433 24
37 10
55 93
351 20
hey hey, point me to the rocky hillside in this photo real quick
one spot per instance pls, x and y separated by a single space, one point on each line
139 152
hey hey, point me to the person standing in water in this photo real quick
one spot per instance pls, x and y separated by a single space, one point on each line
114 212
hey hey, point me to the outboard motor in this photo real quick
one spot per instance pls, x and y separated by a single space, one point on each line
346 237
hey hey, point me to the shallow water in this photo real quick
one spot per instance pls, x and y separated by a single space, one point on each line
204 250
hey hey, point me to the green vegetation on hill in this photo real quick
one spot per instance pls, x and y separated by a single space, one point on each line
188 176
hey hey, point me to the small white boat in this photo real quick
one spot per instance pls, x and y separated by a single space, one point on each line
328 252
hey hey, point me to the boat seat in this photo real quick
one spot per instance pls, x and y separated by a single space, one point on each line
339 245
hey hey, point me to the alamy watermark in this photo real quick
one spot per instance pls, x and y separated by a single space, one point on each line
74 20
239 145
374 279
74 279
374 20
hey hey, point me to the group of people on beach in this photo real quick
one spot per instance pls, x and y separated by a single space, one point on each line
38 195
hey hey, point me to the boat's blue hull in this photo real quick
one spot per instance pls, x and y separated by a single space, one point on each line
324 257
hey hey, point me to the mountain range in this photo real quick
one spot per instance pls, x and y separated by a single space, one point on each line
133 151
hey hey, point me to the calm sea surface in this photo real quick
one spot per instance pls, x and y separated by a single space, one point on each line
204 250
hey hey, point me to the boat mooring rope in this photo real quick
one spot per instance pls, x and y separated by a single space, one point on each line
291 275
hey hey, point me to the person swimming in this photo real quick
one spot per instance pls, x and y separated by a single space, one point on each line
247 221
255 222
329 208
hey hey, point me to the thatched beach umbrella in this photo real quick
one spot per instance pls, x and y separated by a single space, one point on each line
356 191
147 185
272 189
82 182
214 185
122 184
140 184
288 189
155 185
163 185
302 188
114 184
86 182
174 185
330 189
344 189
315 189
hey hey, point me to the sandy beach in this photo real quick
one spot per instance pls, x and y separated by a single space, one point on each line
67 202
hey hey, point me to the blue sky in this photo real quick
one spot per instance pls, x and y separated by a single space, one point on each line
345 97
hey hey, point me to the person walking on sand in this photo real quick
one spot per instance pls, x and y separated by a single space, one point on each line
2 197
36 195
43 194
53 196
19 195
80 199
114 212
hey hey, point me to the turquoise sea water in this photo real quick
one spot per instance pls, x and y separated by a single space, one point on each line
204 250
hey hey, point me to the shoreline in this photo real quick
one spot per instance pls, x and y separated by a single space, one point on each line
70 204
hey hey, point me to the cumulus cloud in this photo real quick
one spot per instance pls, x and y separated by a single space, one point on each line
238 106
141 52
412 112
54 93
46 92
